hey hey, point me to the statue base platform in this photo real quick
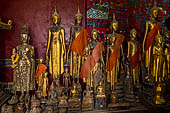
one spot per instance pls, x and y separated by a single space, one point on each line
118 106
74 105
100 103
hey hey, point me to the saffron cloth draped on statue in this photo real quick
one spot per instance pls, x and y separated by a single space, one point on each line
134 60
151 36
91 60
116 53
41 69
80 42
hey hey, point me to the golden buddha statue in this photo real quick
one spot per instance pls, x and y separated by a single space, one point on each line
133 57
115 56
93 43
100 90
151 30
74 92
56 51
75 59
66 78
45 85
158 70
167 49
40 73
24 66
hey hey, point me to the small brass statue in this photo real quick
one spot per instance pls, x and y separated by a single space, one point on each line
133 57
45 85
24 66
159 71
115 56
56 51
151 30
88 102
66 78
100 90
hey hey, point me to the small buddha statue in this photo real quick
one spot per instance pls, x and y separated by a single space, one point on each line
66 78
40 73
134 57
100 90
158 71
74 91
88 102
63 100
44 85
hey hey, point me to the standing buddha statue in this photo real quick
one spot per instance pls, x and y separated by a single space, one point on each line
94 47
151 30
158 71
133 57
115 56
56 50
24 66
75 58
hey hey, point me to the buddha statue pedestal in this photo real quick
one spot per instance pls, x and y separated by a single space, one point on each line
63 104
159 91
20 108
100 98
35 106
88 102
117 98
74 105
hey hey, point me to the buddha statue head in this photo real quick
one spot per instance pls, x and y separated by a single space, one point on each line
55 17
159 38
66 70
154 11
41 60
133 34
94 32
78 17
25 36
114 24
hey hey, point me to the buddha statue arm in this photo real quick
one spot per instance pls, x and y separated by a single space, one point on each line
146 32
63 43
128 54
48 45
71 39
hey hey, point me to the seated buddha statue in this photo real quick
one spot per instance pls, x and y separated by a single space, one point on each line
100 91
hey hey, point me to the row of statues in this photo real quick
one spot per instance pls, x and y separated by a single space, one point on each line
87 61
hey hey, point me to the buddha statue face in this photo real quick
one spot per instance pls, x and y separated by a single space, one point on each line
94 35
56 20
41 60
133 33
154 13
24 38
115 26
66 70
78 20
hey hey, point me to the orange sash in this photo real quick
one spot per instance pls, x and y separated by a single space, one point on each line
91 60
80 42
41 69
116 53
151 36
134 60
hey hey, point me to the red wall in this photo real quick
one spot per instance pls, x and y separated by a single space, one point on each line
36 14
